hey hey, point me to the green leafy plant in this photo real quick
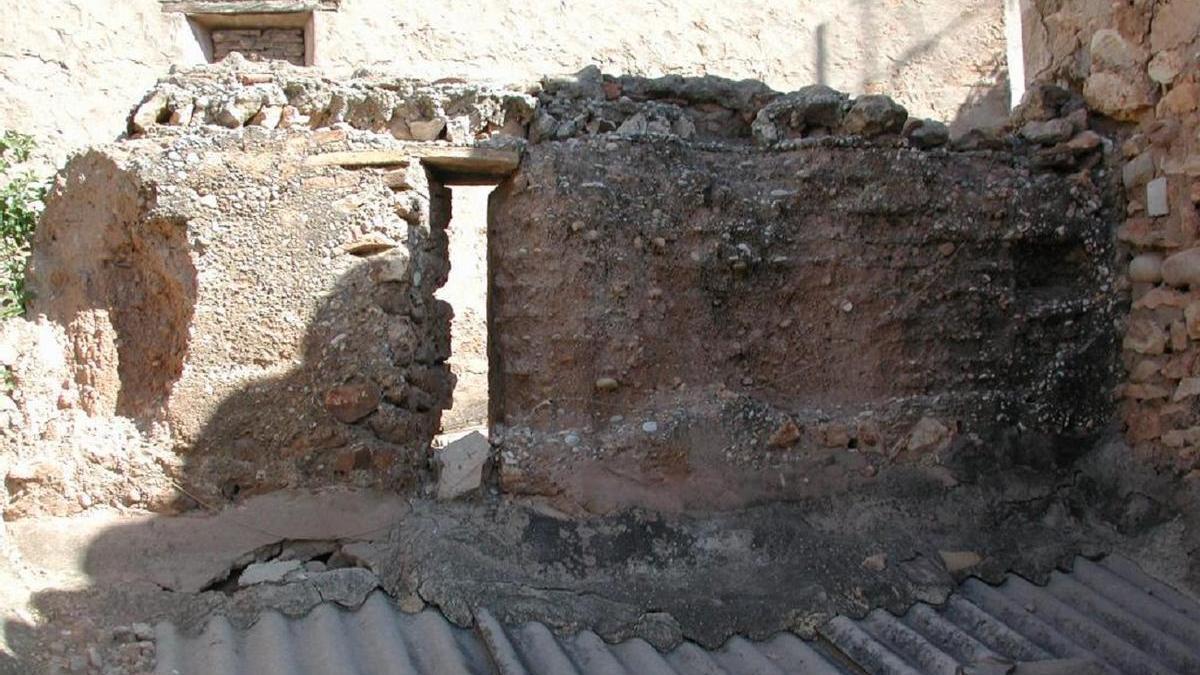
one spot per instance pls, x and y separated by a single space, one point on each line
21 194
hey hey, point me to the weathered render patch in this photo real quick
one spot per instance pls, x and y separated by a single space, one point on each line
692 327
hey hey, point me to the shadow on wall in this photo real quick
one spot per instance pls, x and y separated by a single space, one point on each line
360 409
987 104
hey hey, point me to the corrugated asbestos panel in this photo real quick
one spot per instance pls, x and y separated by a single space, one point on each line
1106 614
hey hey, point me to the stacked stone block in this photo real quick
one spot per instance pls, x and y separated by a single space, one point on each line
266 44
1138 64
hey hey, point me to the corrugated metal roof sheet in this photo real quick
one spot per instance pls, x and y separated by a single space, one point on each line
1107 613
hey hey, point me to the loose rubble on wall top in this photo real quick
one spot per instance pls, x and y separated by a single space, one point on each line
709 109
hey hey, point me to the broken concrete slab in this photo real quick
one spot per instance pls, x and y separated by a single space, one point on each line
347 587
267 572
187 553
461 465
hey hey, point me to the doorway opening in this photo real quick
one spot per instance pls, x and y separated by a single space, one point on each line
460 183
466 291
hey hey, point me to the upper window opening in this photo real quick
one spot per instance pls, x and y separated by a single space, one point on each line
259 30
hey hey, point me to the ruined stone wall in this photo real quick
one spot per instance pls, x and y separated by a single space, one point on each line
69 68
704 292
1139 64
693 326
267 315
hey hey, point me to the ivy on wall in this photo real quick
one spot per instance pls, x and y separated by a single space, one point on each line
21 194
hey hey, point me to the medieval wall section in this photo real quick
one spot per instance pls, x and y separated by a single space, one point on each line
1138 63
686 326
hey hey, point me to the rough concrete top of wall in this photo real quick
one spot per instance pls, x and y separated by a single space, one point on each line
236 93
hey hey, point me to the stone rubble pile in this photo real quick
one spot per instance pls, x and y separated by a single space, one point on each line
236 93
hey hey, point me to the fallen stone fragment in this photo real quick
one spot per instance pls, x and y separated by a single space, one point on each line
926 134
426 130
875 115
150 112
268 117
1041 102
875 563
306 550
369 244
791 114
928 435
607 384
461 465
785 436
659 629
1085 141
267 572
1048 132
959 561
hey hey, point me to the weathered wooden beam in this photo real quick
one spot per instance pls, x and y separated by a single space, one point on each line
361 158
472 161
247 7
449 159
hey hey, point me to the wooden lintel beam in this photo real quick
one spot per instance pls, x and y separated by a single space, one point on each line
471 161
448 159
361 158
247 7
